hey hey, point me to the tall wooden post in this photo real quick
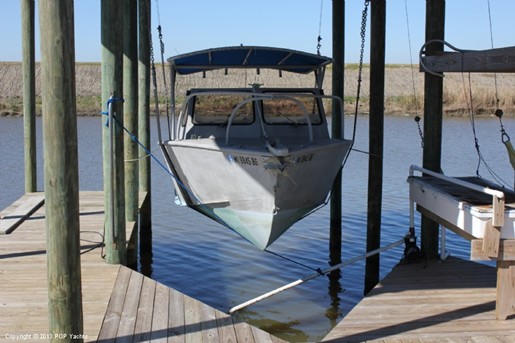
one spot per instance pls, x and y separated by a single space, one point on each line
61 168
335 239
376 137
433 104
130 106
112 85
29 94
145 220
130 121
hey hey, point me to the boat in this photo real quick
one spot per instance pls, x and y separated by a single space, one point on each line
256 159
470 206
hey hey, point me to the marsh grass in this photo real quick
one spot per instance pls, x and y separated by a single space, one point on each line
403 88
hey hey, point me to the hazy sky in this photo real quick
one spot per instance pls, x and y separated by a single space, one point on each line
190 25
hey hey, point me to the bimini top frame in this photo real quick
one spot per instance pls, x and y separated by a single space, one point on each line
246 57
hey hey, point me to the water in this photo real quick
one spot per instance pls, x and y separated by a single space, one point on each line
210 263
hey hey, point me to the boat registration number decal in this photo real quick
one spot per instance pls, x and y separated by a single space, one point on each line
245 160
304 158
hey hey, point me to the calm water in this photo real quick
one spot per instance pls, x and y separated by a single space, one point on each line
208 262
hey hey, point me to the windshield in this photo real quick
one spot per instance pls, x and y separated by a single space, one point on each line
216 109
285 110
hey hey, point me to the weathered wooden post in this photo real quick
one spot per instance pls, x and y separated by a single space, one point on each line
29 94
112 85
376 137
145 220
130 106
433 108
130 121
335 239
61 168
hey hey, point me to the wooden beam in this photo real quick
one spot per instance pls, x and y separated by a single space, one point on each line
29 94
376 140
505 299
501 60
112 85
144 108
145 214
506 250
433 108
130 107
61 169
335 235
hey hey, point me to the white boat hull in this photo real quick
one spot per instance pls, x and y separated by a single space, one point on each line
458 213
251 191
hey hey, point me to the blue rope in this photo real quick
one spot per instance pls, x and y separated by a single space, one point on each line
135 139
182 185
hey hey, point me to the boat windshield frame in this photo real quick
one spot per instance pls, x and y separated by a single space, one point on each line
241 57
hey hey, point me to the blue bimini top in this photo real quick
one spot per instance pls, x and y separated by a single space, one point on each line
248 57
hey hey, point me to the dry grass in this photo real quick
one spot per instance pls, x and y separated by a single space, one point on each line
403 88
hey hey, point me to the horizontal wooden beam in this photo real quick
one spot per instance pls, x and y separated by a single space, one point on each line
506 250
501 60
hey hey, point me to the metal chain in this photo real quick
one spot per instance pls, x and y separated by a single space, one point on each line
162 45
361 51
417 120
153 64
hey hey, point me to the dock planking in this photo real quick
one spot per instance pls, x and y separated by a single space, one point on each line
119 304
14 215
141 309
451 301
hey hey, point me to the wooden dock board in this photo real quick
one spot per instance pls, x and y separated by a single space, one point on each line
119 304
142 309
453 301
14 215
23 274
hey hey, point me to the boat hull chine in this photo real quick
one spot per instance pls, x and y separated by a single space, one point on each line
253 192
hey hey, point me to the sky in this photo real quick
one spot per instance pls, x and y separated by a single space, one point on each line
190 25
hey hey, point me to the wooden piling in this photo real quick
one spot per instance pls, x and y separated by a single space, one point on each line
376 138
112 85
145 216
433 108
335 239
29 94
130 120
130 106
61 170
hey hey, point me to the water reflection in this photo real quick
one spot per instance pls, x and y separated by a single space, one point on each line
334 311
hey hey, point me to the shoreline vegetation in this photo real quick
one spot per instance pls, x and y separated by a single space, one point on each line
404 88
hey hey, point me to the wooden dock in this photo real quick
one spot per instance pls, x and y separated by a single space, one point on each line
451 301
118 303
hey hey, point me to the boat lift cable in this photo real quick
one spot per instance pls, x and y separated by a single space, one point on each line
481 158
182 185
318 270
414 90
319 38
469 98
492 46
315 275
363 30
504 137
